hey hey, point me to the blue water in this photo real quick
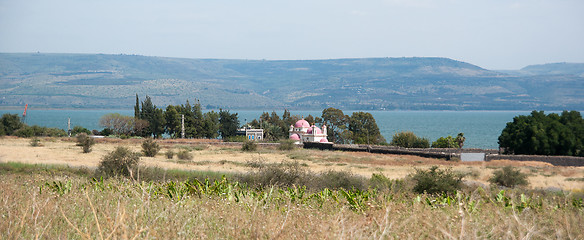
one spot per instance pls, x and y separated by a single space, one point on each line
481 128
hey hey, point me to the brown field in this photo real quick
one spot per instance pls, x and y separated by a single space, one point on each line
212 156
58 204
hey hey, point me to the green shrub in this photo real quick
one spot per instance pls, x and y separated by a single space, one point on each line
287 145
435 180
10 123
38 131
120 162
35 142
150 147
85 142
382 183
79 129
338 179
24 132
449 142
282 175
249 146
509 177
169 154
409 140
445 142
184 154
106 132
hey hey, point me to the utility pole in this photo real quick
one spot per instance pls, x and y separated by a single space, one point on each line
69 126
182 132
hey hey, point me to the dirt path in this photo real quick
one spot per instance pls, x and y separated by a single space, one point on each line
228 158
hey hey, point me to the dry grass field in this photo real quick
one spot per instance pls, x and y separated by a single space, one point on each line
49 200
229 158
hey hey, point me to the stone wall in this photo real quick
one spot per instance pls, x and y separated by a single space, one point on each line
446 153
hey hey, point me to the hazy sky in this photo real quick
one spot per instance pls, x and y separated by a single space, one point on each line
494 34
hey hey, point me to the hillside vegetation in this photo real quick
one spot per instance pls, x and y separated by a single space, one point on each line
111 81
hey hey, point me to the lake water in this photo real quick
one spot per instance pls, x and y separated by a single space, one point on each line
481 128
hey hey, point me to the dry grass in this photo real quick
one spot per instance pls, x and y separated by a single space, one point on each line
226 158
122 209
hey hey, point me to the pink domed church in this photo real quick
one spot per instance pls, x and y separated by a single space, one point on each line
301 132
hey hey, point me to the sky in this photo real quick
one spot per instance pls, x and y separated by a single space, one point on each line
493 34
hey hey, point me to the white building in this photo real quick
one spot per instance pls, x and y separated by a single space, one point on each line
251 134
301 132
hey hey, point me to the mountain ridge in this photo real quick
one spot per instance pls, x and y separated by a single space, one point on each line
417 83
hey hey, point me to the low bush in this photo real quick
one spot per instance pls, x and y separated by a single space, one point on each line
9 123
449 142
287 145
38 131
435 180
184 154
445 142
382 183
79 129
120 162
249 146
85 142
35 142
338 179
409 140
106 132
150 147
509 177
169 154
284 174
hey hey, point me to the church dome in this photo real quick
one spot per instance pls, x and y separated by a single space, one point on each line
301 124
316 129
295 136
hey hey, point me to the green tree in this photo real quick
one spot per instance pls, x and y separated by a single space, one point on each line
157 123
449 142
119 124
543 134
137 107
198 121
154 117
271 132
337 125
211 124
10 123
408 139
228 123
79 129
364 129
173 121
310 119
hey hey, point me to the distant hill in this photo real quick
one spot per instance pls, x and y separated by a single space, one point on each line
111 81
555 69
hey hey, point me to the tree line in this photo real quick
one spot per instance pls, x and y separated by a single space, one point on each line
359 128
541 134
152 121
